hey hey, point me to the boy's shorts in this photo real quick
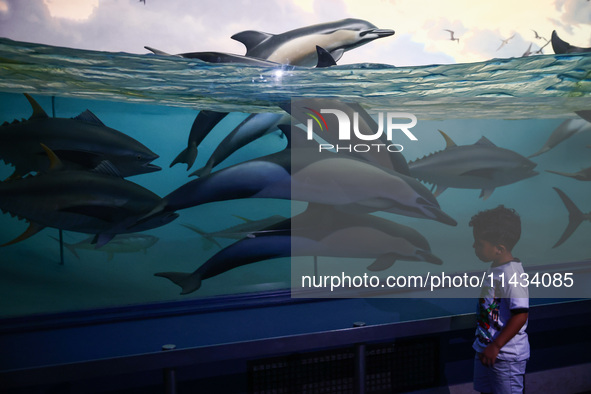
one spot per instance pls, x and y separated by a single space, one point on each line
504 377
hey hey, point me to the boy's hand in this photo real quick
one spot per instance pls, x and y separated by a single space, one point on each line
489 355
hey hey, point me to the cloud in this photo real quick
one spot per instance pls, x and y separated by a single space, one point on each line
574 12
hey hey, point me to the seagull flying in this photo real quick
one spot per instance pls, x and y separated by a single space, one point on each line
506 41
540 51
452 35
538 37
528 51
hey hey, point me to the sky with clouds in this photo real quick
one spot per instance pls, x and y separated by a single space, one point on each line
177 26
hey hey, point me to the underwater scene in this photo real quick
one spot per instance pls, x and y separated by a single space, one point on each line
170 177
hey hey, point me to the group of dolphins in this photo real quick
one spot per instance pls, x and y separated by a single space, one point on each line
81 166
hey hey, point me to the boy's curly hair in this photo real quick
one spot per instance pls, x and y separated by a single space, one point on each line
499 226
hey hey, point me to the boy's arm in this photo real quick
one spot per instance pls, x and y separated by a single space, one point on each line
490 353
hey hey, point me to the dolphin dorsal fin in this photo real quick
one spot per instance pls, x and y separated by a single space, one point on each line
89 117
448 141
251 38
54 162
484 142
38 112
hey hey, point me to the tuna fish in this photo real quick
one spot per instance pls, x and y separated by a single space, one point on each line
82 201
122 243
81 143
480 166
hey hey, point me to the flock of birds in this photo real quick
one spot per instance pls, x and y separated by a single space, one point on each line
505 41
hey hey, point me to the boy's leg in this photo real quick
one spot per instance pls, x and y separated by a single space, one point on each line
508 376
482 377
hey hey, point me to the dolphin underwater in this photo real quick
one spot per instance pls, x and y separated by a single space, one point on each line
253 127
318 231
81 201
121 243
298 47
480 166
238 231
575 217
81 143
560 47
331 179
565 130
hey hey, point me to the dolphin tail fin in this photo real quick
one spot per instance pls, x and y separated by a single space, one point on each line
188 282
187 156
70 247
575 217
203 171
211 241
251 38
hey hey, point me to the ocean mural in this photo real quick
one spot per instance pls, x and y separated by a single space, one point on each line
90 143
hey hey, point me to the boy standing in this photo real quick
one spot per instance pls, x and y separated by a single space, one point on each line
501 344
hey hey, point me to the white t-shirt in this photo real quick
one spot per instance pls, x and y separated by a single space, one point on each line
495 304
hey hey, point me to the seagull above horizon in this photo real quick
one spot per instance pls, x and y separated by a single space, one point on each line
452 38
538 37
540 51
505 41
528 52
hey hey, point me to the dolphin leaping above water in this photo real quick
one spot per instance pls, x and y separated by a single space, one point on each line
298 47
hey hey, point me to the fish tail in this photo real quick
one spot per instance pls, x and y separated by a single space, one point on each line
188 282
203 171
187 156
575 217
211 241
